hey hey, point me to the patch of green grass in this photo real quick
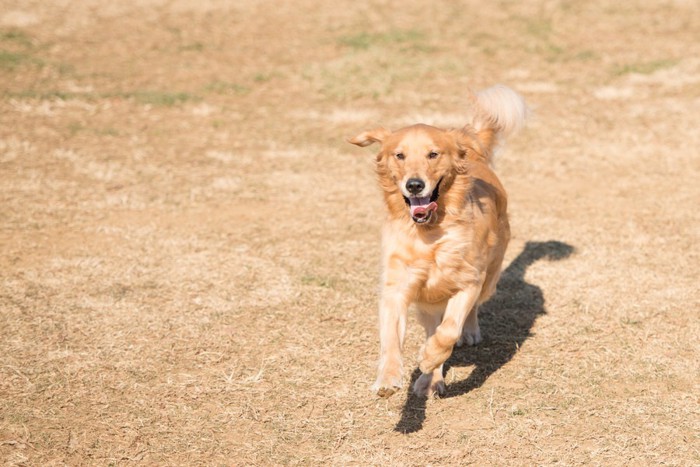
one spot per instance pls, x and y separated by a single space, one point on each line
19 49
373 73
160 98
541 31
16 50
645 68
65 69
364 40
359 41
119 291
538 27
48 95
156 98
74 128
375 65
630 321
265 77
553 52
17 37
319 281
193 47
585 55
10 60
224 87
543 41
109 131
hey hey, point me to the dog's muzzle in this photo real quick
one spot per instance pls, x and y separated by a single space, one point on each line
423 207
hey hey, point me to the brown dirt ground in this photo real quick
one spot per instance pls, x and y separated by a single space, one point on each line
189 249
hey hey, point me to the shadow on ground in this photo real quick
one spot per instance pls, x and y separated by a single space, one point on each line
506 322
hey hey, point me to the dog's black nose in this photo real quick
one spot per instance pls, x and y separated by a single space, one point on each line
415 185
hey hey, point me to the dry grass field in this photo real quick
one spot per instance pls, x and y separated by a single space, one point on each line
189 249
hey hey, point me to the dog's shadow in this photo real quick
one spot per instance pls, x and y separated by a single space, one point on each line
506 321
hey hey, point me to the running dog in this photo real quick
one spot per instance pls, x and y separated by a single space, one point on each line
445 234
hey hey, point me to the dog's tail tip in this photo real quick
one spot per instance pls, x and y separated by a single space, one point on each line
500 108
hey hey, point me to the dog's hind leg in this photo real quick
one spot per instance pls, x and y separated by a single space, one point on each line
471 333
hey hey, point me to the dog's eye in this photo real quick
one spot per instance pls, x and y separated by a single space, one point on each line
400 156
433 155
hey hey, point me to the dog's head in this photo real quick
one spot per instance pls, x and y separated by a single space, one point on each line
417 164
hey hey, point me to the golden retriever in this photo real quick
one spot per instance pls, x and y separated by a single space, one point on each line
445 234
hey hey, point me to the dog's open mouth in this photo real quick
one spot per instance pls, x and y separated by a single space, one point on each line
423 207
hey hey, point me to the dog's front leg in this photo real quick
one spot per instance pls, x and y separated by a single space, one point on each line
439 346
393 309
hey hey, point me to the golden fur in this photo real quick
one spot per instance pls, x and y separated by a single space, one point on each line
450 263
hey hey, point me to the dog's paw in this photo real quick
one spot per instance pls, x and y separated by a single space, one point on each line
386 387
426 387
385 391
389 379
470 337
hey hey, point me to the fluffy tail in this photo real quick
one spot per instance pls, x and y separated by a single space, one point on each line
498 112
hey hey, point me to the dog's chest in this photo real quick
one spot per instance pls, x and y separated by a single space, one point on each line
443 268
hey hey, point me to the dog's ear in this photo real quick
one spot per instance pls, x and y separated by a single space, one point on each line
371 136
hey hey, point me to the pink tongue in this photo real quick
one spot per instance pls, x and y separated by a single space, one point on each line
421 206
